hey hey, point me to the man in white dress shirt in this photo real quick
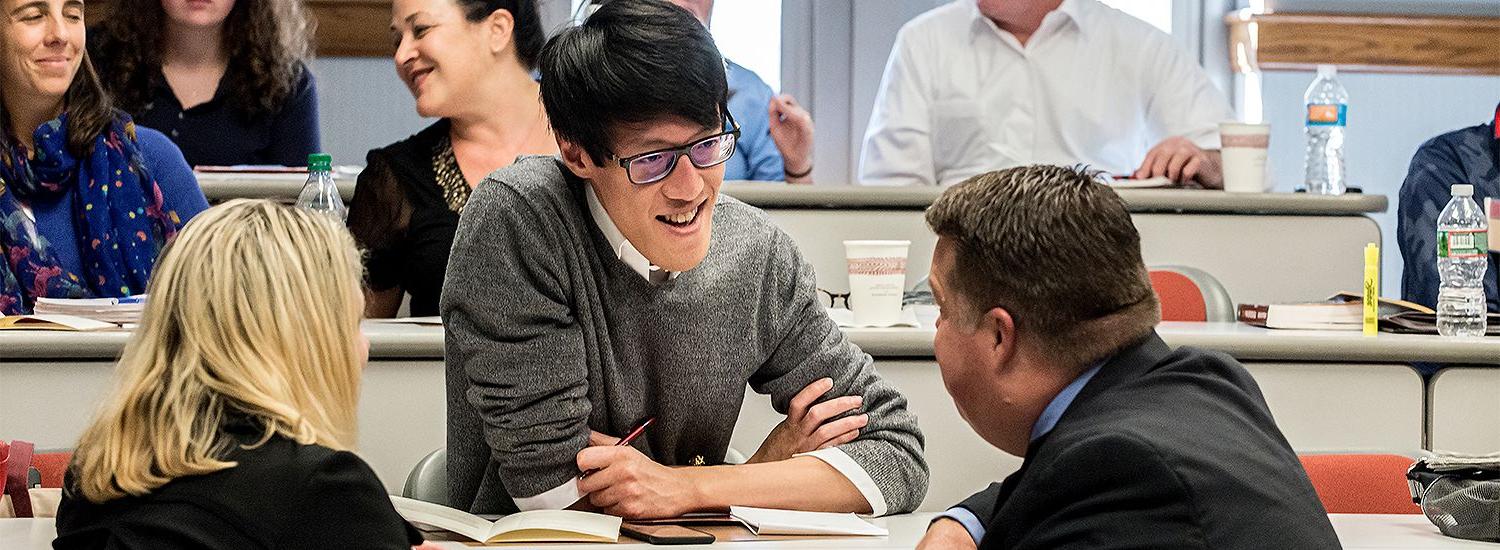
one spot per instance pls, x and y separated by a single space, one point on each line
979 85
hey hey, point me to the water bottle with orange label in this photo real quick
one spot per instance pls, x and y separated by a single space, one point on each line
1327 108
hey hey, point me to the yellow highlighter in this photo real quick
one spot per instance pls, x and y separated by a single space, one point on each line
1372 290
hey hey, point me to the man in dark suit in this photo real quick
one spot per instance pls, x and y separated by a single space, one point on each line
1047 345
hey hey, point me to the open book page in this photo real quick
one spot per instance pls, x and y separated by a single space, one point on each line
52 322
533 526
443 517
766 521
556 526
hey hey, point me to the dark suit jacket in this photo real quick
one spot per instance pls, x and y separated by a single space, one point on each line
282 495
1161 449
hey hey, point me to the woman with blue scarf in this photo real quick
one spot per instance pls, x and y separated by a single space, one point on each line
87 199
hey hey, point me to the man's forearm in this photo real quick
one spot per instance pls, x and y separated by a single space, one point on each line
766 485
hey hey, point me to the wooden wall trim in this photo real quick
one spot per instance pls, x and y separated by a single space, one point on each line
352 28
346 28
1374 43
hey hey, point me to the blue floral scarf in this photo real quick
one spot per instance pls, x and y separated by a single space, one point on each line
119 217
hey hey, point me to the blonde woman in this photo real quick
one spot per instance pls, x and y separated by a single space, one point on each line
235 407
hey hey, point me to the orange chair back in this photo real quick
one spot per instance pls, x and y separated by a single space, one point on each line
1181 298
1361 483
52 467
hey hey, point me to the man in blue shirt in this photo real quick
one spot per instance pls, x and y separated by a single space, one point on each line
1046 340
776 134
1470 155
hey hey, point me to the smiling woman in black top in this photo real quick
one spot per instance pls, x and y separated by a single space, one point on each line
231 419
225 79
469 63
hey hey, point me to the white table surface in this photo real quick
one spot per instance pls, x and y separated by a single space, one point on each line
223 186
1244 342
1356 532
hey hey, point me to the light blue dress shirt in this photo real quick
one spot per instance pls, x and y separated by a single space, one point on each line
1044 424
755 154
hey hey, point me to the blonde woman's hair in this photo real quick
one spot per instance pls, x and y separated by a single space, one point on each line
254 312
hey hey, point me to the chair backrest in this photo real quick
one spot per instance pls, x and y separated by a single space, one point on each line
1361 483
1190 294
52 466
428 480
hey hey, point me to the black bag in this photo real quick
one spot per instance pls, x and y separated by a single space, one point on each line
1459 494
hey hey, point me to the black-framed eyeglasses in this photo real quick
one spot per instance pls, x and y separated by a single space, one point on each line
653 166
831 299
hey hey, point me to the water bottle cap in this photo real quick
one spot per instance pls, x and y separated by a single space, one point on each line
1327 71
319 162
1463 190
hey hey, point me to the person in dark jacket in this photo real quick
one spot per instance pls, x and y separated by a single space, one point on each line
1046 342
1469 156
235 408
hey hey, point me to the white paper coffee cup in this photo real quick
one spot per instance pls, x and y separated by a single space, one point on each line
1242 146
877 280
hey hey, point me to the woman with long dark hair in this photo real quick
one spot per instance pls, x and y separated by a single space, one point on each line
87 198
470 63
226 79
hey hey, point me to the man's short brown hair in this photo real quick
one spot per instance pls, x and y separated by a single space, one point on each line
1054 247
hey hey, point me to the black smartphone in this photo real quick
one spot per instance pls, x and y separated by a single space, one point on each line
666 534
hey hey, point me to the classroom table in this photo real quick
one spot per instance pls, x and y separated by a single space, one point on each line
1263 247
1327 390
1355 532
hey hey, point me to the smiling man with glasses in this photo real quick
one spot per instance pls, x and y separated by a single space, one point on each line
590 292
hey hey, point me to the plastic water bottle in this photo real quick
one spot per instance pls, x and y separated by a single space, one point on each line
1327 106
320 194
1462 250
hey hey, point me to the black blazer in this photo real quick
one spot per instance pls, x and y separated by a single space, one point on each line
1161 449
282 495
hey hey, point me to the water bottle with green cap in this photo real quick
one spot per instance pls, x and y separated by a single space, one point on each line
320 194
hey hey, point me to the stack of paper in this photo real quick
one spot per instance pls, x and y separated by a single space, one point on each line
845 319
110 310
766 521
1342 311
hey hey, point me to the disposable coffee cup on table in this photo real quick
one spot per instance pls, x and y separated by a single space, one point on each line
877 281
1242 147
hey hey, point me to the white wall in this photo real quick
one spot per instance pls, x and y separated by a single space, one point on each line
362 105
1390 115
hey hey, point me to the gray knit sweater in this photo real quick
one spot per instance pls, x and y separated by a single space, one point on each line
550 335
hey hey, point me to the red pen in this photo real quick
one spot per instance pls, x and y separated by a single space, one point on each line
634 433
639 429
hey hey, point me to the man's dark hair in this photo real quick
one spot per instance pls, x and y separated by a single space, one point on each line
632 61
1055 247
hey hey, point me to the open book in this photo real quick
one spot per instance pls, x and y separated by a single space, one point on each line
52 322
533 526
